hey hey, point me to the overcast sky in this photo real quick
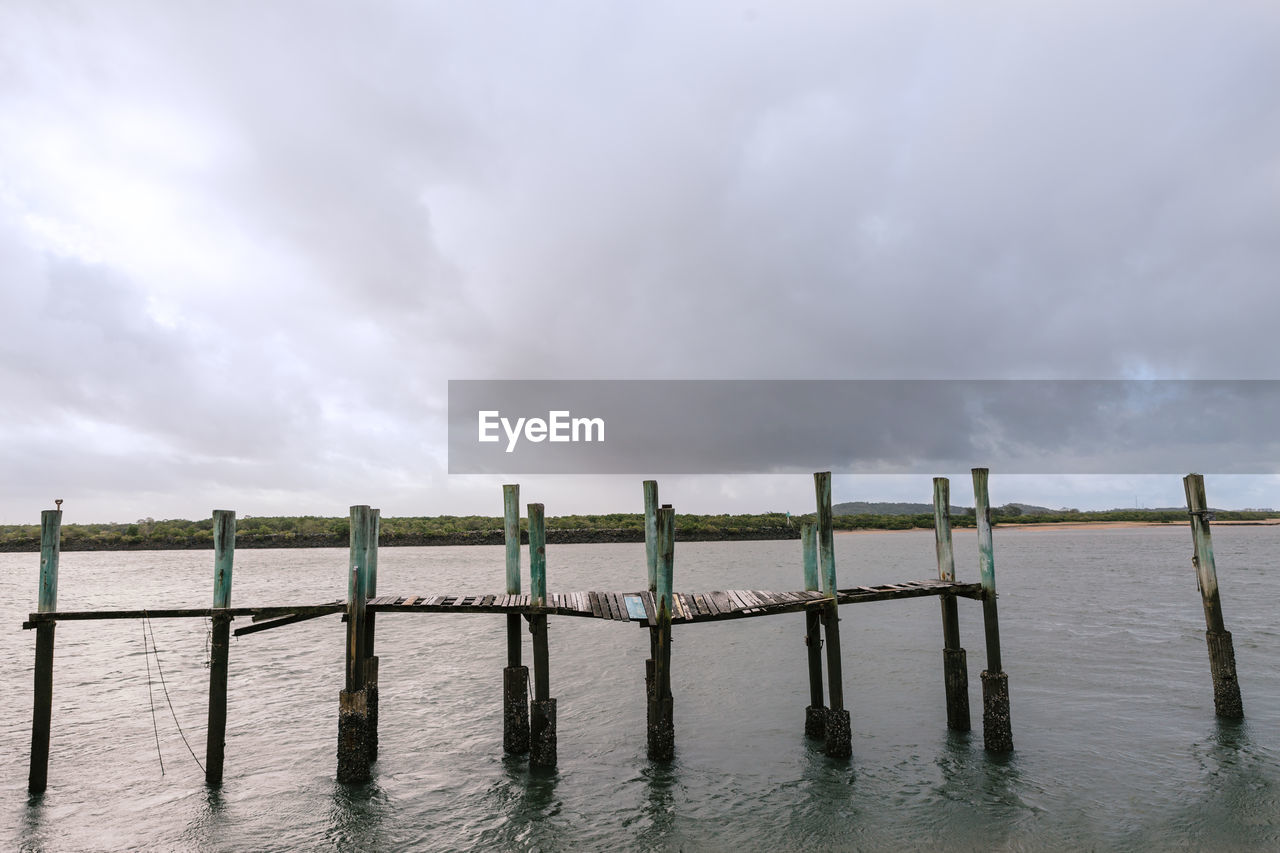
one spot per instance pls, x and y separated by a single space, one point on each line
244 245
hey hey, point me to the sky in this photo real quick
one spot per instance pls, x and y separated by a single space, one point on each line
244 246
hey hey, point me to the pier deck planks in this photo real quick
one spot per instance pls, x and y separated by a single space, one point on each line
688 607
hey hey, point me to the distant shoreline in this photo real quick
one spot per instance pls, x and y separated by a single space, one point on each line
1083 525
587 536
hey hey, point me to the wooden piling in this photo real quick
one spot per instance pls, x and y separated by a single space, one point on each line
224 546
661 728
1222 655
955 667
46 602
353 708
542 711
815 715
651 531
371 660
839 737
651 566
997 733
515 677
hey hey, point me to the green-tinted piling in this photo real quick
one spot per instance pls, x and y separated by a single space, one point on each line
661 725
651 531
651 565
46 602
815 715
353 707
1222 655
537 554
371 660
997 732
542 711
955 667
224 548
515 677
838 734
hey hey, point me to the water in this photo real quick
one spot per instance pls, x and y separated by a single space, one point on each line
1117 745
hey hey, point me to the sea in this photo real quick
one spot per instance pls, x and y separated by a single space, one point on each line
1116 745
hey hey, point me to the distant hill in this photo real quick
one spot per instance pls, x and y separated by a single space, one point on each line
1032 509
887 508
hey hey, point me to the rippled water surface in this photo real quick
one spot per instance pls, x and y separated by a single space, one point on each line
1117 745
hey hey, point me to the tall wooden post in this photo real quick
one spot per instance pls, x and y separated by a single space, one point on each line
839 738
651 565
955 667
997 733
370 660
1222 655
661 729
542 712
515 677
815 715
353 707
224 547
46 602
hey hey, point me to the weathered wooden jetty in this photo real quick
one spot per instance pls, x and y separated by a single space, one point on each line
529 726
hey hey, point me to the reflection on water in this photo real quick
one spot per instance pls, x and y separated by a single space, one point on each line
31 835
654 830
204 829
355 816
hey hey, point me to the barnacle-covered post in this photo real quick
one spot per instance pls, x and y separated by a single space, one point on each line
515 677
955 668
997 733
224 547
353 704
815 715
661 728
839 738
542 712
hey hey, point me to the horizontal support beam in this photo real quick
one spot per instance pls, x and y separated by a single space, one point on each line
278 622
35 619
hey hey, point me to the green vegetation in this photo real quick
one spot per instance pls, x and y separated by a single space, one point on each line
313 531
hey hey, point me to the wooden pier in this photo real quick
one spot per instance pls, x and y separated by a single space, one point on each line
529 726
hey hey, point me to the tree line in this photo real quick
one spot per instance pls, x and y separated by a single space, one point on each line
316 531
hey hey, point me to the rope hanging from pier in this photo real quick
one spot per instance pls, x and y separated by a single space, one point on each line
151 701
147 627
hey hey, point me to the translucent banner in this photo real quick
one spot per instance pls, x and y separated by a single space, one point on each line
650 427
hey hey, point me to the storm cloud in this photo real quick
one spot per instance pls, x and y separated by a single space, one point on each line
243 247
